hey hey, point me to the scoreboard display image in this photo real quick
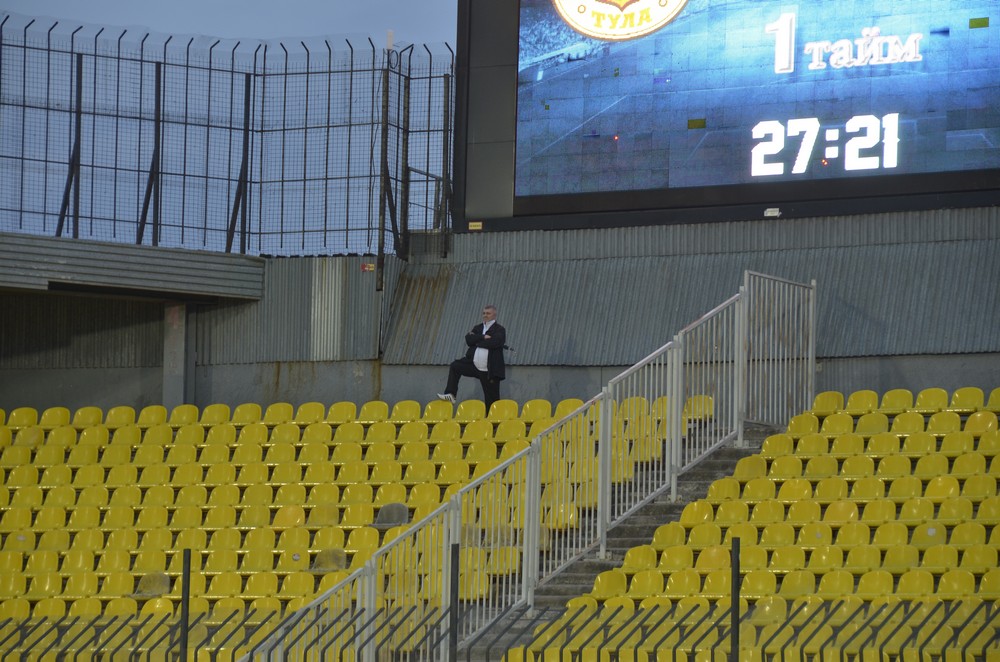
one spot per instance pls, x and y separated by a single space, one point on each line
690 102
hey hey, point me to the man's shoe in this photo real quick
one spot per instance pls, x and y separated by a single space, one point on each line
447 397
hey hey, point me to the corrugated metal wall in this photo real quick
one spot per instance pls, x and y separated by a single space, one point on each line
53 331
738 236
37 263
892 284
313 309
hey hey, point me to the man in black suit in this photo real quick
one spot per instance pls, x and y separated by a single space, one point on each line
484 359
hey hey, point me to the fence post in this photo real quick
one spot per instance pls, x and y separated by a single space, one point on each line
532 520
676 408
604 443
740 367
734 611
811 378
367 601
185 601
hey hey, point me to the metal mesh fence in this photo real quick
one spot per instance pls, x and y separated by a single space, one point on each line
313 148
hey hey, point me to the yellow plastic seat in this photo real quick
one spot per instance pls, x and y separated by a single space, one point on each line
785 467
967 534
931 465
801 425
907 423
968 464
766 512
63 437
978 559
837 584
883 444
941 487
857 466
931 400
453 472
944 422
30 437
795 489
668 535
825 558
755 490
896 401
256 496
501 410
861 402
704 535
978 488
696 513
747 468
680 584
871 423
821 466
436 411
904 487
826 403
848 444
919 444
916 510
815 534
853 534
50 418
890 534
351 431
776 535
87 416
373 411
777 445
966 400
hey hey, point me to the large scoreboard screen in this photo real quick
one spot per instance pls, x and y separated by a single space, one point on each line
644 104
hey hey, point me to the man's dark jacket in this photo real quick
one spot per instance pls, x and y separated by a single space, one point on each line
495 368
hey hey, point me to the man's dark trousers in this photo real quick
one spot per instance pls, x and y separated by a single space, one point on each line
464 367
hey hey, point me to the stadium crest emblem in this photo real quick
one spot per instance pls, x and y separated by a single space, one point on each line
618 20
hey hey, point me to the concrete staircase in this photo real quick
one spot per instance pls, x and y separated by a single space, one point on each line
516 628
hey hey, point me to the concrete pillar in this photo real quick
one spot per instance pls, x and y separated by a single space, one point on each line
175 355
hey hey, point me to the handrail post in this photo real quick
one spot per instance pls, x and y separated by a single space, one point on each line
676 408
604 460
532 520
740 364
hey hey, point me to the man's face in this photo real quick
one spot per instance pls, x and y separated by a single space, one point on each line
489 314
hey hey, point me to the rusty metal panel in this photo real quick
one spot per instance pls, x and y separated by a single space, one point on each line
313 309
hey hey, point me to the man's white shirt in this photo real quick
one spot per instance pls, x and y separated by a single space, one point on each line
480 358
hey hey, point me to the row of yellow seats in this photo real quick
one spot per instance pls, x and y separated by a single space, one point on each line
18 465
915 510
964 400
879 445
294 549
230 628
446 471
283 412
800 628
157 550
863 489
817 534
85 609
33 497
831 585
907 423
784 467
145 518
936 559
68 438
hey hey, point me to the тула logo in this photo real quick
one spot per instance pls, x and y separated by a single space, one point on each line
618 20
